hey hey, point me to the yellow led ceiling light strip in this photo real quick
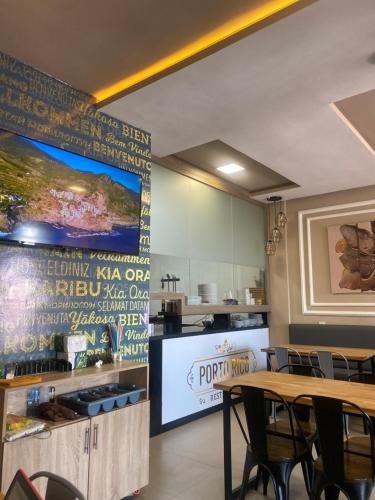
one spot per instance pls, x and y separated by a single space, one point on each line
206 41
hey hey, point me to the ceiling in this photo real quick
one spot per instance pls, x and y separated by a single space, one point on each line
268 95
104 47
254 177
358 112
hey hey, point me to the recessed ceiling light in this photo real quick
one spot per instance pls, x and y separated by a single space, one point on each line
231 168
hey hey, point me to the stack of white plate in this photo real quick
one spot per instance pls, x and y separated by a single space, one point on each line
193 300
244 297
258 318
208 292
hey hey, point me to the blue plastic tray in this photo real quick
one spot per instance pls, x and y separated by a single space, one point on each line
101 398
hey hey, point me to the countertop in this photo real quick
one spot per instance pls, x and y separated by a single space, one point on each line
192 330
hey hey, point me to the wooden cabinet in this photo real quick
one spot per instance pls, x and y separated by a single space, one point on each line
61 451
106 457
119 452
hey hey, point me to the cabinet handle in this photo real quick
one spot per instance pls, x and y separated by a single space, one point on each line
87 441
95 441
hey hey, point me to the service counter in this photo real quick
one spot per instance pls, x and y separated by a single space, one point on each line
184 367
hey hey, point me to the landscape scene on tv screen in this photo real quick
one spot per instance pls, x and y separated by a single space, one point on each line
52 197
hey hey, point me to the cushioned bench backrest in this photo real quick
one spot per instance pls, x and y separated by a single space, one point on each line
333 335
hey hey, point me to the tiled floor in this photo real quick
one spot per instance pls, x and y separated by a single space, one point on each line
187 464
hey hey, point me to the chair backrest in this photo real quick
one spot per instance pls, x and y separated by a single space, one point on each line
305 370
330 425
282 355
58 488
22 488
256 412
325 360
363 378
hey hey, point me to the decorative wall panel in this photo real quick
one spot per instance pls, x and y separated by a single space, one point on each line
44 291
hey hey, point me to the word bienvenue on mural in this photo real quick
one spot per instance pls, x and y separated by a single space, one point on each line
48 291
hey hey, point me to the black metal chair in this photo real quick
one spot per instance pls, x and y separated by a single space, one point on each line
58 488
306 430
282 355
304 370
343 464
326 362
306 425
277 455
363 378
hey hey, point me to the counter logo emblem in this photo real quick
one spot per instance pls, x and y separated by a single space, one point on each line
225 347
230 362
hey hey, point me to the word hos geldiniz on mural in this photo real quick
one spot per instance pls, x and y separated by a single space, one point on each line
44 291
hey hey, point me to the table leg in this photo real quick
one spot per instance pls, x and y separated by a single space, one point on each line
227 446
373 365
269 364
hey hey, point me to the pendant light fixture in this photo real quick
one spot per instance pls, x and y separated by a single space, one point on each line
270 245
281 218
276 235
279 223
270 248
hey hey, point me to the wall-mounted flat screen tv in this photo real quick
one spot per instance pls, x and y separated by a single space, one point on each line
50 196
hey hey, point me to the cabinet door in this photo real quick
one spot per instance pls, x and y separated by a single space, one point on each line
119 455
64 452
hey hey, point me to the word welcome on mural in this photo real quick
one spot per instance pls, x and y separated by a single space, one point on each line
46 291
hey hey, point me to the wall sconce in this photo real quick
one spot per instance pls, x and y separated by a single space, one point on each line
280 221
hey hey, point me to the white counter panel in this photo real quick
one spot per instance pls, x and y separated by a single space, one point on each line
191 365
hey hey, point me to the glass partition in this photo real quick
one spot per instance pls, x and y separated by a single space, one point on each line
229 277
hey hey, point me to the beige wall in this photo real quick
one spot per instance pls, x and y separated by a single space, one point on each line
285 274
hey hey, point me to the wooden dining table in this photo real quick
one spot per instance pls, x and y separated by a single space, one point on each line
357 354
289 387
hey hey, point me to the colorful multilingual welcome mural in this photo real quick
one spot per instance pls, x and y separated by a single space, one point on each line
45 290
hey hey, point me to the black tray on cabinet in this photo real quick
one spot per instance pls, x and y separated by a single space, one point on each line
95 399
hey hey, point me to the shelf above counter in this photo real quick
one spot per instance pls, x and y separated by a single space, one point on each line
197 310
222 309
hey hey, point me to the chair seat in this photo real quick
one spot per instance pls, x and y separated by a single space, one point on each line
356 467
359 445
281 427
281 449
